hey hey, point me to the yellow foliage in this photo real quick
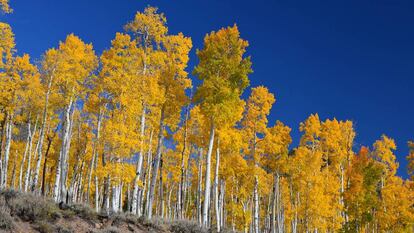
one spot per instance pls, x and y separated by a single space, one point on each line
5 7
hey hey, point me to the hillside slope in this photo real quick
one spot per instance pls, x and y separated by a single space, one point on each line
27 213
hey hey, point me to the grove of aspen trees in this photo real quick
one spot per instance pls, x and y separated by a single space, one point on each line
127 131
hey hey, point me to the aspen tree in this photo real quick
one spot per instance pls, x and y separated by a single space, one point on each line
255 122
76 61
95 106
276 143
149 29
224 71
360 196
173 82
7 97
27 102
49 66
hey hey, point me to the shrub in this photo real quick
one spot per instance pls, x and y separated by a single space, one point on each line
110 229
44 227
32 208
62 229
6 221
186 226
9 194
124 218
154 223
84 212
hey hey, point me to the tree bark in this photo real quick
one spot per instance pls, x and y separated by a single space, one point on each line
156 165
57 193
216 189
26 150
29 160
135 207
93 163
41 138
9 130
256 206
207 178
200 186
45 165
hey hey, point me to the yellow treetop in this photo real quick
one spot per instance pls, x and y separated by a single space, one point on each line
224 71
7 45
384 152
5 7
148 26
75 63
311 129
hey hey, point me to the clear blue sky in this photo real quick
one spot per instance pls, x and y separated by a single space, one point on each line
349 59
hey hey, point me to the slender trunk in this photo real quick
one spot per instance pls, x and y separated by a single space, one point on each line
161 192
256 206
93 163
256 187
45 164
26 150
13 180
57 194
116 196
96 194
147 177
207 178
41 138
149 172
79 189
279 205
106 194
156 164
216 189
187 189
200 186
65 167
169 206
341 197
180 198
76 175
222 204
29 159
135 208
273 206
9 130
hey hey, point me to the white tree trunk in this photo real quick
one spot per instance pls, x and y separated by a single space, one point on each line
216 189
207 178
58 193
200 186
41 138
156 165
256 206
94 160
115 198
135 208
65 164
96 194
180 196
29 160
145 191
221 205
9 130
26 150
279 205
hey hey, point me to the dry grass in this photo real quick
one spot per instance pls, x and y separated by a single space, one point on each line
44 215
